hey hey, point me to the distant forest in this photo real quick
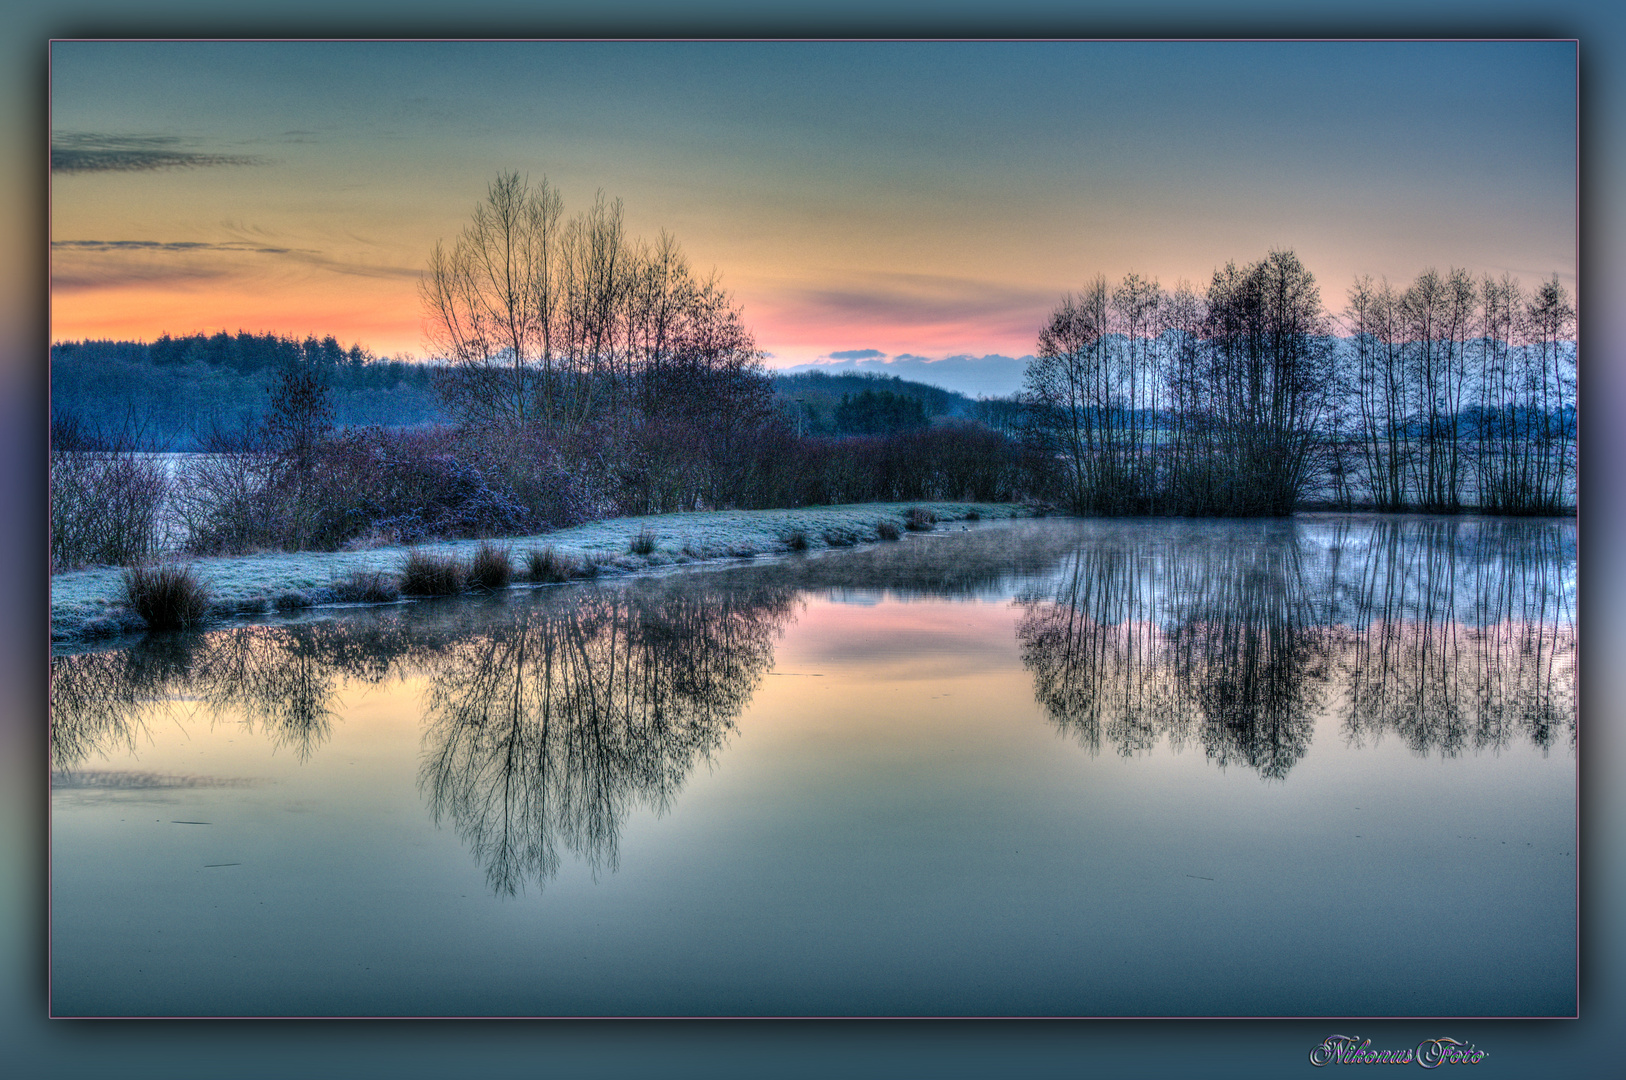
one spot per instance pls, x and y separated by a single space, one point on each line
179 393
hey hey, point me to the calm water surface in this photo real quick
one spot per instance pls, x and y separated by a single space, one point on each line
1324 766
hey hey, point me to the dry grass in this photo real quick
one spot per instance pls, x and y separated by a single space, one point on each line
839 538
887 531
548 566
796 539
490 567
643 543
423 574
167 597
367 587
918 519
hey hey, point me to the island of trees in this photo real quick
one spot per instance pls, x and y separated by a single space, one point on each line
581 373
1452 393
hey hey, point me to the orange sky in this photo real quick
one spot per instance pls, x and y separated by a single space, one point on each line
924 198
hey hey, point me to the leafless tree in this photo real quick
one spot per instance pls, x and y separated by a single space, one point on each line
492 302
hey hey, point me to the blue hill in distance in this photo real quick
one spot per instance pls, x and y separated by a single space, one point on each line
991 375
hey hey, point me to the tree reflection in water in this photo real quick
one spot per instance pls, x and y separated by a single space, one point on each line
1450 633
279 680
1465 636
1197 638
547 730
549 716
547 719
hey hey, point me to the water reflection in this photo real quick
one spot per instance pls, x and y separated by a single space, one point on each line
1450 634
549 728
1197 639
548 717
279 681
1469 639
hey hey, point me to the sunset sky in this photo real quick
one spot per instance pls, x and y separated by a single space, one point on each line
873 198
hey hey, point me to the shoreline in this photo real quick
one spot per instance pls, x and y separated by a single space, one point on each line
87 605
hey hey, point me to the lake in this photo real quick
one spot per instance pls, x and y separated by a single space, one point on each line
1321 766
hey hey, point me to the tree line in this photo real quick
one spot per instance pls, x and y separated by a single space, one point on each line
1450 393
586 373
176 392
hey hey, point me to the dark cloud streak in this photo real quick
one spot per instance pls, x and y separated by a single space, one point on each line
102 264
183 246
80 152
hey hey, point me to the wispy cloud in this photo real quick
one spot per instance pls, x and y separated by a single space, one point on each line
80 151
183 246
922 300
857 354
104 264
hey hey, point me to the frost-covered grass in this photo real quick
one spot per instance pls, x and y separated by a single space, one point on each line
90 603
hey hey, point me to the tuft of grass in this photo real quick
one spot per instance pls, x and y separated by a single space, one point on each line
167 597
423 574
973 515
547 565
918 519
367 587
490 567
839 538
291 600
887 531
796 539
643 543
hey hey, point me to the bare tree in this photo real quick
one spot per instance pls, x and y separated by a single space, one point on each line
1067 386
491 302
1270 365
1550 388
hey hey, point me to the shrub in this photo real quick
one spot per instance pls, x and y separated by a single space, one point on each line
490 567
423 574
168 597
919 519
643 543
887 531
367 587
796 539
227 499
107 499
547 565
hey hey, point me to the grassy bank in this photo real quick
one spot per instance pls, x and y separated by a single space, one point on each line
92 603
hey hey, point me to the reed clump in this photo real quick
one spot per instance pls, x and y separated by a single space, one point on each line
643 543
367 587
839 538
547 566
423 574
918 519
167 597
490 567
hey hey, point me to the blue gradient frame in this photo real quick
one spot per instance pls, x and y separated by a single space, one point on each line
37 1047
